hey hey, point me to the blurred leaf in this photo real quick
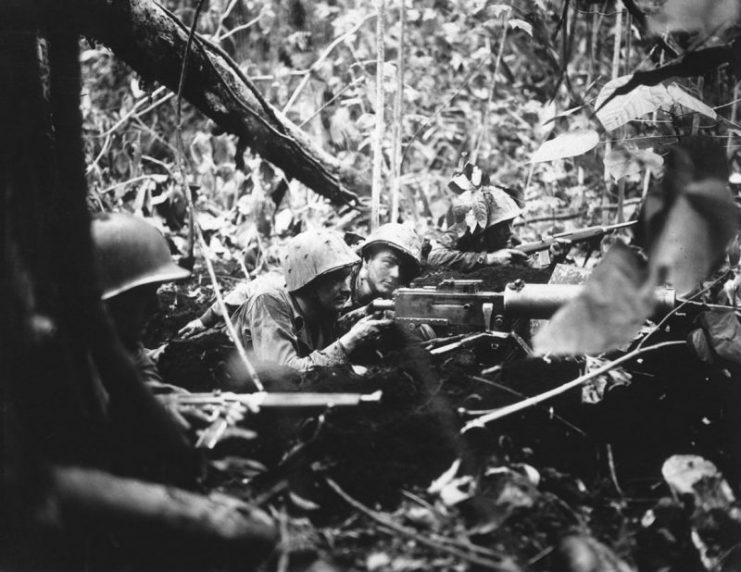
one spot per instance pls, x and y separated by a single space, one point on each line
699 225
607 313
631 163
566 145
704 16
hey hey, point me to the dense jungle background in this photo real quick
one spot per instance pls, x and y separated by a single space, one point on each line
279 116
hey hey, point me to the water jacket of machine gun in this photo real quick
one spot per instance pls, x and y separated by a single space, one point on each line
461 304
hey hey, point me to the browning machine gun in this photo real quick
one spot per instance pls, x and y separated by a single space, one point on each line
462 305
227 408
572 237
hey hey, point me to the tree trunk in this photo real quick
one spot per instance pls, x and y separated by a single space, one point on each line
152 41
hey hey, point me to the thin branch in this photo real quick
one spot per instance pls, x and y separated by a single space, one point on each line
581 380
398 131
377 179
394 528
233 334
684 303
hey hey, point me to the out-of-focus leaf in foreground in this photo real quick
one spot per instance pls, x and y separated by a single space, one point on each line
699 225
607 313
704 16
690 218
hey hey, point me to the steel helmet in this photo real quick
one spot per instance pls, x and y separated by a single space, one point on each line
130 252
398 237
312 254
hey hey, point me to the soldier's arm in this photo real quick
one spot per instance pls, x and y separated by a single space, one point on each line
273 338
455 259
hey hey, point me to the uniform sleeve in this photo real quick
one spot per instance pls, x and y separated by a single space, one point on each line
147 368
441 255
233 300
274 338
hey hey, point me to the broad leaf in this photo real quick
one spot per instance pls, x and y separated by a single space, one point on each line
641 101
699 225
607 313
704 16
566 145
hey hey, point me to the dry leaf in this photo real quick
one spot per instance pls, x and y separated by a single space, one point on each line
607 313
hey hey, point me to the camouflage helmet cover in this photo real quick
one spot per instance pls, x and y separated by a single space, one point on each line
397 236
130 252
312 254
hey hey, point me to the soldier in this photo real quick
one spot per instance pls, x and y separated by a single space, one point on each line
133 260
479 226
296 325
391 257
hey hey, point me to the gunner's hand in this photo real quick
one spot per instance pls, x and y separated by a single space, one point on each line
366 329
192 328
505 256
558 250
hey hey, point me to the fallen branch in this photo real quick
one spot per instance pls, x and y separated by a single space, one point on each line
152 40
495 562
581 380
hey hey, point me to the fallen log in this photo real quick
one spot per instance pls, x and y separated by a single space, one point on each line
152 41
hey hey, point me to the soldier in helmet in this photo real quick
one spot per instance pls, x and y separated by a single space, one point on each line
479 226
133 260
391 257
296 325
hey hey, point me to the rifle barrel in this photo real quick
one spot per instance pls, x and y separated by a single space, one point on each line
573 236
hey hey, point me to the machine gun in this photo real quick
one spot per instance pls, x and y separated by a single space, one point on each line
227 408
462 305
572 237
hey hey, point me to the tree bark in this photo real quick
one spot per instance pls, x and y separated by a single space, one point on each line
152 41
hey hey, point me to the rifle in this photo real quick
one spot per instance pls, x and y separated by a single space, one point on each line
572 237
228 406
462 304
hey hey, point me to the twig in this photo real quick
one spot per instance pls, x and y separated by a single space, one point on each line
511 391
613 472
233 334
581 380
394 528
398 131
377 180
239 28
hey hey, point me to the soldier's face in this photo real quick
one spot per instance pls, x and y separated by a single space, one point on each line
131 310
384 271
333 290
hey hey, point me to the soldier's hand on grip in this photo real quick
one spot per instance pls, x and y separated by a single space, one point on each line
365 330
505 256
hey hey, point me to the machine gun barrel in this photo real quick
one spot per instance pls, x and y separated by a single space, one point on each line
572 237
